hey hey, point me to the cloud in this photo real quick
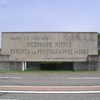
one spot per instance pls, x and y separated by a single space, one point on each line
3 1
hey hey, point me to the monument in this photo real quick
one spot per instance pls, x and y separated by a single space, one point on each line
50 46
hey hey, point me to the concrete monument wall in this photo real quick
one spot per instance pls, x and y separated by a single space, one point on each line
7 65
49 46
92 64
87 66
11 66
4 57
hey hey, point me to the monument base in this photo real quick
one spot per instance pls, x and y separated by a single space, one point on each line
87 66
12 66
92 64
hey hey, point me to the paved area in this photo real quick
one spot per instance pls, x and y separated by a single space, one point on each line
15 96
45 79
50 88
38 86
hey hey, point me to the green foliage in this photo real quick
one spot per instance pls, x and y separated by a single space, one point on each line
98 52
50 65
33 65
99 43
99 37
43 65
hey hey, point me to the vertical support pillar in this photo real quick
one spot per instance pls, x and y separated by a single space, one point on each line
23 68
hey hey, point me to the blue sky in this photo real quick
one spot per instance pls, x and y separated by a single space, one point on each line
49 15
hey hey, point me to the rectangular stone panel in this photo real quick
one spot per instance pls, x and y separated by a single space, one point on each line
11 66
49 46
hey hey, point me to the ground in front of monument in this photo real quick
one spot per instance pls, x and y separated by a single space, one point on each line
50 86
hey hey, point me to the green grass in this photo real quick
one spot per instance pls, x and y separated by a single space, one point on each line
50 72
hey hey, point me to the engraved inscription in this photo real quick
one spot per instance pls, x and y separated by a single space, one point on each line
39 44
49 51
62 44
50 46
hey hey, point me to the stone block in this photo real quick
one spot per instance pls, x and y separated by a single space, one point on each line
11 66
86 66
93 58
4 57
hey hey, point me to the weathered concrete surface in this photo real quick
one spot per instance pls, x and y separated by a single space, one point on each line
49 46
10 66
92 64
93 58
86 66
4 57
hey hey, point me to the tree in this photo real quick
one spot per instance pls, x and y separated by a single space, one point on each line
99 43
